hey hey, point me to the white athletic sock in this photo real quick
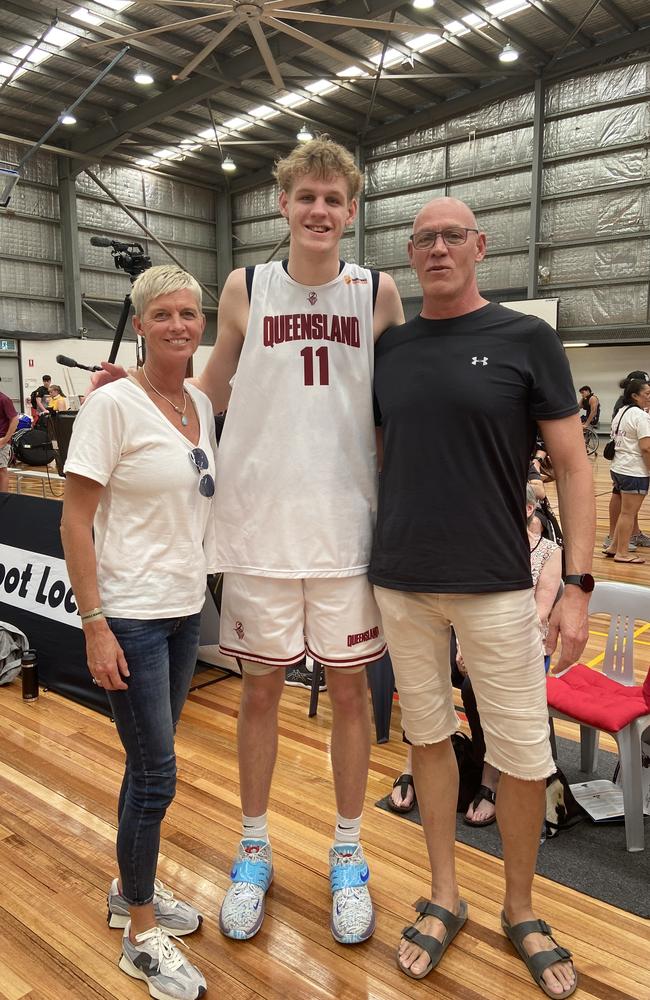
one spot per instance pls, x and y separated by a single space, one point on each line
347 831
255 827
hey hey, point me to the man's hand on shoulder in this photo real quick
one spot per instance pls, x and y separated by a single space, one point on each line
109 373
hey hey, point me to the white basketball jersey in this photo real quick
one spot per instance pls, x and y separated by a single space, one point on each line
297 480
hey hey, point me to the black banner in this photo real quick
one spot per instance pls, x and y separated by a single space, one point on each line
35 595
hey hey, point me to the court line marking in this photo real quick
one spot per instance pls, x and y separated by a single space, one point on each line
601 656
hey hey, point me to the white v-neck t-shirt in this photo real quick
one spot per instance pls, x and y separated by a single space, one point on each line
154 531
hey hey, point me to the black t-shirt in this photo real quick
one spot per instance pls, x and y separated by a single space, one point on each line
458 400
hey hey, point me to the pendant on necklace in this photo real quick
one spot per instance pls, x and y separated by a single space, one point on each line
184 421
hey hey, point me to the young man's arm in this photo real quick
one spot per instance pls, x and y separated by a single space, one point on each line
388 307
232 321
575 490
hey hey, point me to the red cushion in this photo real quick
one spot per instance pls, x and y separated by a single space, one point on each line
590 697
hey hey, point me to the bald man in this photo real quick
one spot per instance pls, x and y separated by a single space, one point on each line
459 390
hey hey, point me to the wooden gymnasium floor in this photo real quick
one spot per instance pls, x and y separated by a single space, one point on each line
60 773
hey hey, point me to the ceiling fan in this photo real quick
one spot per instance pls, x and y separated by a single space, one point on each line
277 15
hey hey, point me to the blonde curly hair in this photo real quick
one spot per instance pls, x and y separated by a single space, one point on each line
322 158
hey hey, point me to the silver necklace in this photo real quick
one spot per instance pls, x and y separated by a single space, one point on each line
181 413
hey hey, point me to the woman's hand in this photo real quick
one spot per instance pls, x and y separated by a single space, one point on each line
106 661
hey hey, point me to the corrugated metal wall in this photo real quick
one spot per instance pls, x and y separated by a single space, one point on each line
594 223
595 213
31 283
181 215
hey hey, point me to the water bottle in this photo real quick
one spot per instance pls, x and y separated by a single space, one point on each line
29 672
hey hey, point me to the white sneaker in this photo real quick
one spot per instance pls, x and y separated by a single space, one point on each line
353 916
157 961
171 914
242 910
641 539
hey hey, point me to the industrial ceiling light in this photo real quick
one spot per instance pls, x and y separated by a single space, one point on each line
68 119
228 165
304 135
142 77
423 4
508 53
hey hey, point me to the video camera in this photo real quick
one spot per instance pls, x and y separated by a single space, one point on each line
129 257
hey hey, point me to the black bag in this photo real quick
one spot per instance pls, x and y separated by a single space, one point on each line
609 451
469 770
32 447
562 809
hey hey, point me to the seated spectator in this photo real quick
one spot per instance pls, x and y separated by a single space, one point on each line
546 572
58 400
590 405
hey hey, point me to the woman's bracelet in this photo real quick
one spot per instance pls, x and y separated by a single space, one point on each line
91 615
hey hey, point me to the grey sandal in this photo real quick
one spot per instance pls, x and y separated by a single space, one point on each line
543 960
435 949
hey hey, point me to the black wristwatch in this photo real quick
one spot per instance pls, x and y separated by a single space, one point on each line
583 580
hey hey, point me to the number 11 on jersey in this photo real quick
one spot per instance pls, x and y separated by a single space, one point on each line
307 354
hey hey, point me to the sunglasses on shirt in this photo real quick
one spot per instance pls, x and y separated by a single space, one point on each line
199 460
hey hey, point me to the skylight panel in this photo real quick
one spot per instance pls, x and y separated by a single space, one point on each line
391 56
86 15
263 111
291 100
321 87
352 71
506 7
422 43
237 123
36 57
115 4
59 37
473 21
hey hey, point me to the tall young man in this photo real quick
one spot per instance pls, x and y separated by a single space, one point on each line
451 547
295 506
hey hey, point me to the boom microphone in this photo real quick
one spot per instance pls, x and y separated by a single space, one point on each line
101 241
71 363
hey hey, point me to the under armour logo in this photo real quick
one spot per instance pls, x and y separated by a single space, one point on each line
479 361
312 298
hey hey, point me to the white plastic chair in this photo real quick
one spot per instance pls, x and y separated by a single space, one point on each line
625 603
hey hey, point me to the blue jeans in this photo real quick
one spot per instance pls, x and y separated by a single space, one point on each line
161 656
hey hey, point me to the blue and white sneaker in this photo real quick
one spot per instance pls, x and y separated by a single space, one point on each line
242 910
157 961
353 916
171 914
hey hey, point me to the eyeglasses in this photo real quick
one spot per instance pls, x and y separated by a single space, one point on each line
455 237
199 460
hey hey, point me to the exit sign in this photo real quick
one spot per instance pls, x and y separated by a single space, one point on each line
7 346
